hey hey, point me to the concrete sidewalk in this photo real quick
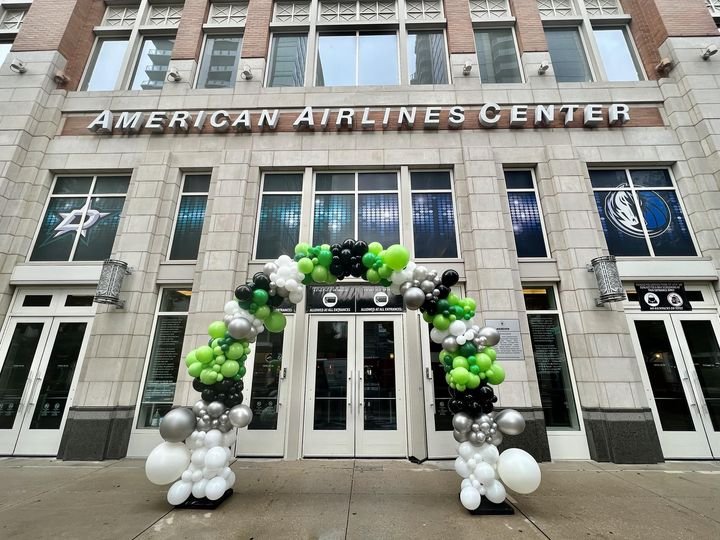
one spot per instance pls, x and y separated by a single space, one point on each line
43 498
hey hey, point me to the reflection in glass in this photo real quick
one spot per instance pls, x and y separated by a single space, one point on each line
287 61
664 377
441 392
615 53
336 60
69 185
266 380
567 55
153 63
334 219
335 182
426 58
379 389
4 50
331 376
357 59
52 400
497 57
105 64
16 368
705 353
377 59
219 62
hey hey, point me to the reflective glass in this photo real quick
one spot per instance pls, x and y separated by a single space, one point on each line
441 391
703 345
188 227
665 223
105 64
175 300
279 229
615 52
16 368
602 178
621 223
434 225
519 180
287 61
72 186
651 178
379 218
97 233
336 60
527 226
664 377
379 391
377 181
37 300
497 56
196 183
58 229
266 380
282 182
422 181
539 298
58 376
334 219
218 67
111 185
4 50
152 63
335 182
568 55
378 59
331 376
426 58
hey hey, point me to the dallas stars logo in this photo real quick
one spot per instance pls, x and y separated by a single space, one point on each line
73 221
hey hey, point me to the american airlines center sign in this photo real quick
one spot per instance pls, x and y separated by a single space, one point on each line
485 116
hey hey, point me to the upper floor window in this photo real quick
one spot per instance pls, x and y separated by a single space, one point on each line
81 218
11 20
714 7
497 55
357 10
433 211
525 214
641 213
152 64
190 217
427 60
287 60
357 58
567 53
219 64
280 213
617 59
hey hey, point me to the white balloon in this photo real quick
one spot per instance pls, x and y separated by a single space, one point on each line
465 483
471 463
484 472
209 473
477 485
215 488
179 492
197 476
489 453
461 340
230 480
167 462
438 335
495 492
518 470
470 498
198 489
198 457
215 458
214 437
226 472
466 450
461 467
231 307
457 328
186 476
296 297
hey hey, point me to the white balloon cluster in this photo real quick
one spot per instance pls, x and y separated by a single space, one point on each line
285 278
242 324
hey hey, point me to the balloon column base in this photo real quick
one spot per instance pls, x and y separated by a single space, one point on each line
193 503
488 508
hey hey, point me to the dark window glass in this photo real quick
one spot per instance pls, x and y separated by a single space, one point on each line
603 178
59 228
527 226
78 301
705 353
497 56
621 223
279 229
37 300
426 58
175 300
539 299
282 182
334 219
434 225
425 181
335 182
331 373
666 226
188 228
651 178
379 386
72 186
568 55
16 368
153 63
379 218
266 380
107 185
196 183
287 61
519 180
96 244
218 67
377 181
441 391
615 53
105 64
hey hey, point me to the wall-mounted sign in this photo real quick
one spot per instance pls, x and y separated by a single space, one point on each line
510 346
662 296
352 299
484 116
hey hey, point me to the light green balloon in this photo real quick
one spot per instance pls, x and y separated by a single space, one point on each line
263 312
397 257
373 276
492 353
496 375
460 361
204 354
190 359
235 351
302 247
473 382
275 322
208 376
319 274
484 361
441 322
375 248
195 369
230 368
460 375
217 330
305 265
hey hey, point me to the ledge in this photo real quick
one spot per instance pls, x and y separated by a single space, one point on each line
687 269
176 272
54 273
538 270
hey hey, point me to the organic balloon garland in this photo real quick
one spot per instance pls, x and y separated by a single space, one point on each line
196 452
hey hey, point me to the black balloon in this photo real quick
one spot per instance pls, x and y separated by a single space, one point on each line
197 385
360 248
444 291
450 278
357 269
336 269
208 394
348 244
429 306
345 256
243 293
261 281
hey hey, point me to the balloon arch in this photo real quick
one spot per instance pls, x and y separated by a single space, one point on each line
196 452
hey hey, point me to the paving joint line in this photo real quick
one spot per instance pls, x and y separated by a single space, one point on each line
352 483
529 519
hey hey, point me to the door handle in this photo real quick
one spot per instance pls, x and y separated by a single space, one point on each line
31 399
428 373
359 390
689 391
284 374
350 386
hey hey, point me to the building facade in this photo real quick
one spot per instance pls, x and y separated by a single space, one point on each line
511 140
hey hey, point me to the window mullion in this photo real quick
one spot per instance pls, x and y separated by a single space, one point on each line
78 233
133 48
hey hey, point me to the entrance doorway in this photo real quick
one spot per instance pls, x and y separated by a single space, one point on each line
40 358
680 365
355 387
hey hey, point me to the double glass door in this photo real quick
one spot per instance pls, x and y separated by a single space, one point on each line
39 358
680 361
355 394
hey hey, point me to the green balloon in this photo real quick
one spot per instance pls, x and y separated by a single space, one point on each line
190 359
473 382
396 257
204 354
260 297
385 271
331 279
373 276
496 374
460 361
453 299
235 351
468 349
305 265
375 248
441 322
263 312
325 257
217 330
320 274
484 362
302 247
275 322
470 302
475 370
230 368
195 369
427 317
368 260
443 305
492 353
448 378
208 376
460 375
242 371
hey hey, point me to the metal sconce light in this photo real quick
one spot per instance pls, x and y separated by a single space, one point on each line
608 280
111 279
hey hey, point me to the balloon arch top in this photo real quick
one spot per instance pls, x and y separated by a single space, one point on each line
196 452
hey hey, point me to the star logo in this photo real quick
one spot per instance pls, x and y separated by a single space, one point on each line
70 224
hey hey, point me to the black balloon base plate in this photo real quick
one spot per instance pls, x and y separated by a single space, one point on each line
488 508
193 503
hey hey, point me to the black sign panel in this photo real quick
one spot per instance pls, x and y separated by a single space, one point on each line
662 296
352 299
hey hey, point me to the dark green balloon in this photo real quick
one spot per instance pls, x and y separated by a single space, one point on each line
467 350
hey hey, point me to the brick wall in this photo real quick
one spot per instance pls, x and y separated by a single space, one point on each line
190 33
257 29
461 39
646 29
530 33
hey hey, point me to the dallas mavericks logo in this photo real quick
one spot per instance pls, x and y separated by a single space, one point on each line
620 211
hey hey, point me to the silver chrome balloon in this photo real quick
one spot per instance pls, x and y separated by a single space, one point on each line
491 335
414 298
510 422
462 422
497 439
269 268
239 328
240 416
476 438
202 425
177 425
420 273
475 428
205 417
227 319
460 436
450 344
427 286
199 407
405 286
215 409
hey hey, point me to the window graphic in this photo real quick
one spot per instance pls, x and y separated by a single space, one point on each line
190 217
641 213
279 220
81 218
433 214
525 214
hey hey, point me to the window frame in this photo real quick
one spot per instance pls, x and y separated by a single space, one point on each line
536 192
137 55
434 28
219 32
181 194
633 190
88 196
605 23
92 60
301 30
261 192
486 26
590 60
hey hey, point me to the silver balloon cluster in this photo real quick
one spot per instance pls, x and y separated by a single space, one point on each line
416 284
480 337
477 430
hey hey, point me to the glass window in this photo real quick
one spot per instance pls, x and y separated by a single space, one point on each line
618 61
426 56
152 63
497 56
4 50
361 58
287 60
105 64
375 195
641 213
525 214
433 215
218 67
190 217
279 221
266 380
568 55
81 226
551 362
165 358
